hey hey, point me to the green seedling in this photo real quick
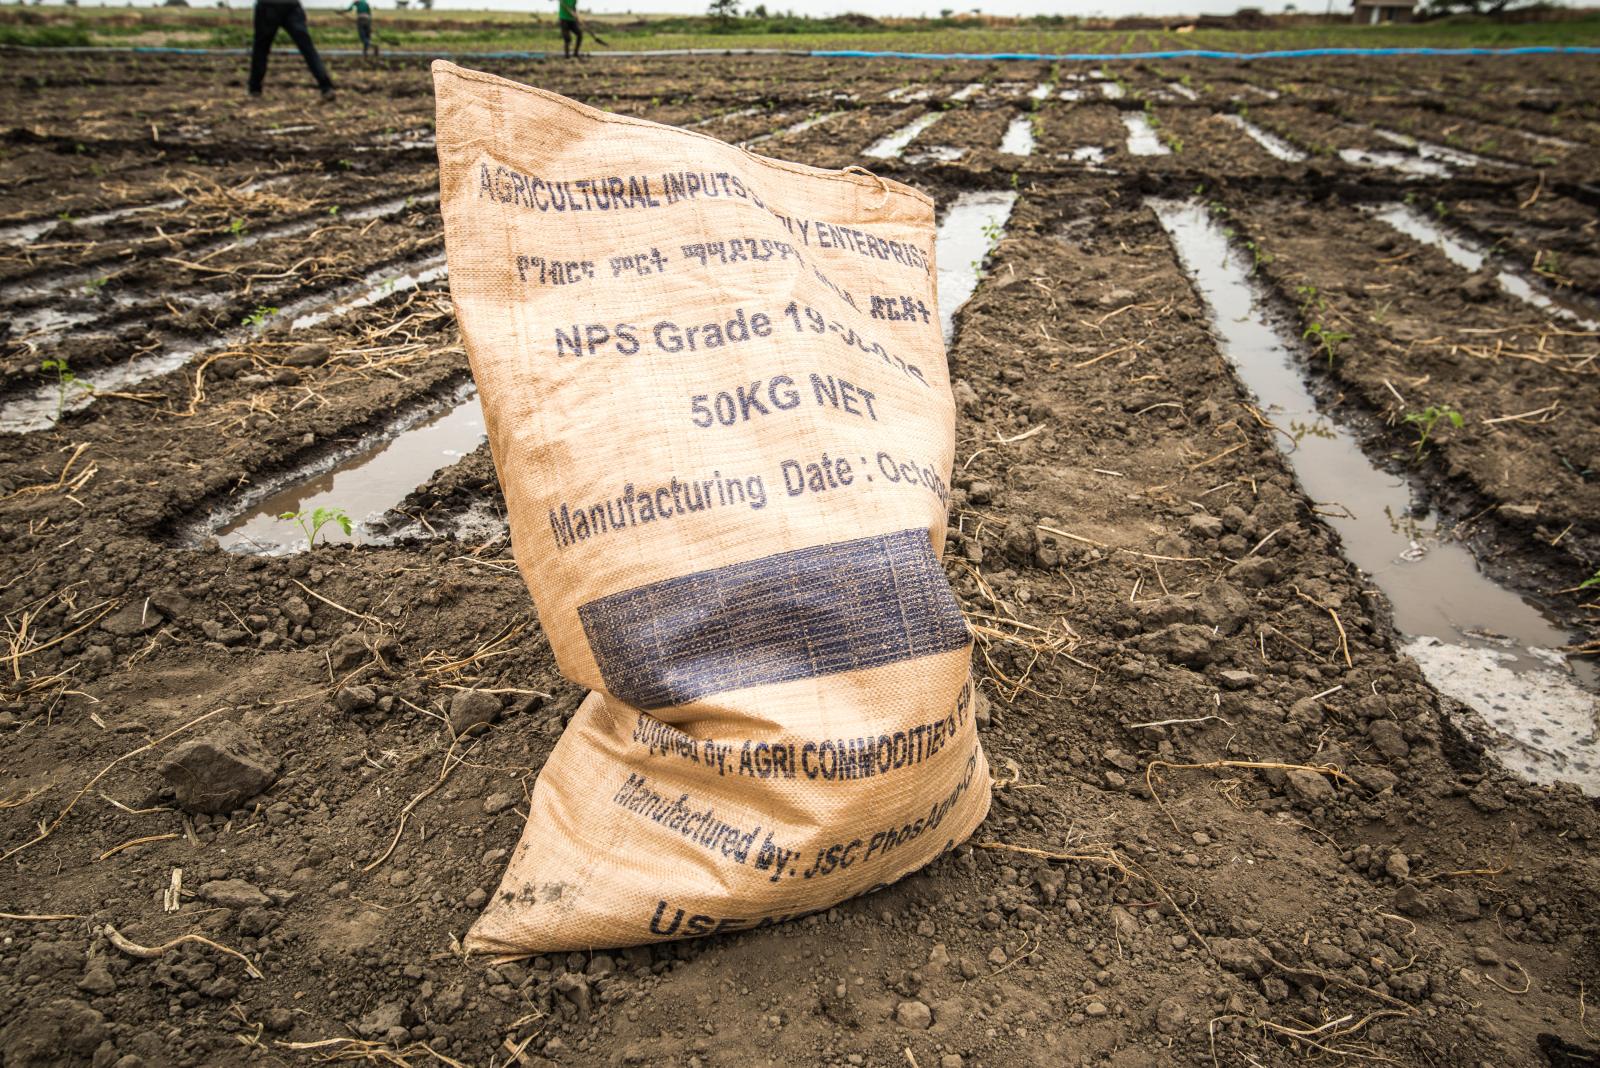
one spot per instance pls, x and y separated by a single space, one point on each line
311 524
1439 209
1309 301
1546 263
236 228
1327 340
262 313
95 285
64 216
1588 582
1428 418
1257 257
333 209
66 382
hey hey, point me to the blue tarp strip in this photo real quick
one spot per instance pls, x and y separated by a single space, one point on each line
1204 53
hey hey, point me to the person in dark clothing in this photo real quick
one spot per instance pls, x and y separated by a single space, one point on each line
571 30
363 12
275 15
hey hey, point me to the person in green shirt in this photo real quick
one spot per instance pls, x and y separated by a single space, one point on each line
571 30
363 12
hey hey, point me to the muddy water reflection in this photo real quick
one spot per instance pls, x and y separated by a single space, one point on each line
971 228
365 482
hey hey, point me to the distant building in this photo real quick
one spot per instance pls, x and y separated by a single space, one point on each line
1373 12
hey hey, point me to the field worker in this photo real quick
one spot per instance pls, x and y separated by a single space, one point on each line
571 32
363 12
275 15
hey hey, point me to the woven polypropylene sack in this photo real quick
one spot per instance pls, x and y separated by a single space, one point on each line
716 396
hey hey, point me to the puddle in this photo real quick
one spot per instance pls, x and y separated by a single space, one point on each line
1275 145
1474 640
1112 91
909 94
366 481
936 154
1183 90
1429 150
1470 255
891 146
1070 94
1142 137
967 92
1091 154
1041 91
971 228
1394 161
41 407
1018 140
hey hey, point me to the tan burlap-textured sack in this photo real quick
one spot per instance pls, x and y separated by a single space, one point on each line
717 400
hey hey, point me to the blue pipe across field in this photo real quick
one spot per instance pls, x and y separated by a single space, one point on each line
1051 57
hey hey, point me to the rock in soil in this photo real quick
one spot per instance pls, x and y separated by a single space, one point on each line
468 708
219 771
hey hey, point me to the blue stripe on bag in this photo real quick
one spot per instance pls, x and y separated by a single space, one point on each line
797 615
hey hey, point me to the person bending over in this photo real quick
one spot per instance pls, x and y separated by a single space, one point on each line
571 31
275 15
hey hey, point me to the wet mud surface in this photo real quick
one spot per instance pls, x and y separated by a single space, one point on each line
1234 820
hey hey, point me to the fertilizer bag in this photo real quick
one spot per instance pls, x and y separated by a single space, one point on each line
716 396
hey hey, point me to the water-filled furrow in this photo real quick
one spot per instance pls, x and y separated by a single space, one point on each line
376 286
1405 163
28 232
1428 150
44 405
1475 640
793 128
891 145
364 480
50 318
1018 139
1275 145
1142 137
971 228
1468 254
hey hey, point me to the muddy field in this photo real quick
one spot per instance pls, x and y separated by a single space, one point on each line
1256 805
